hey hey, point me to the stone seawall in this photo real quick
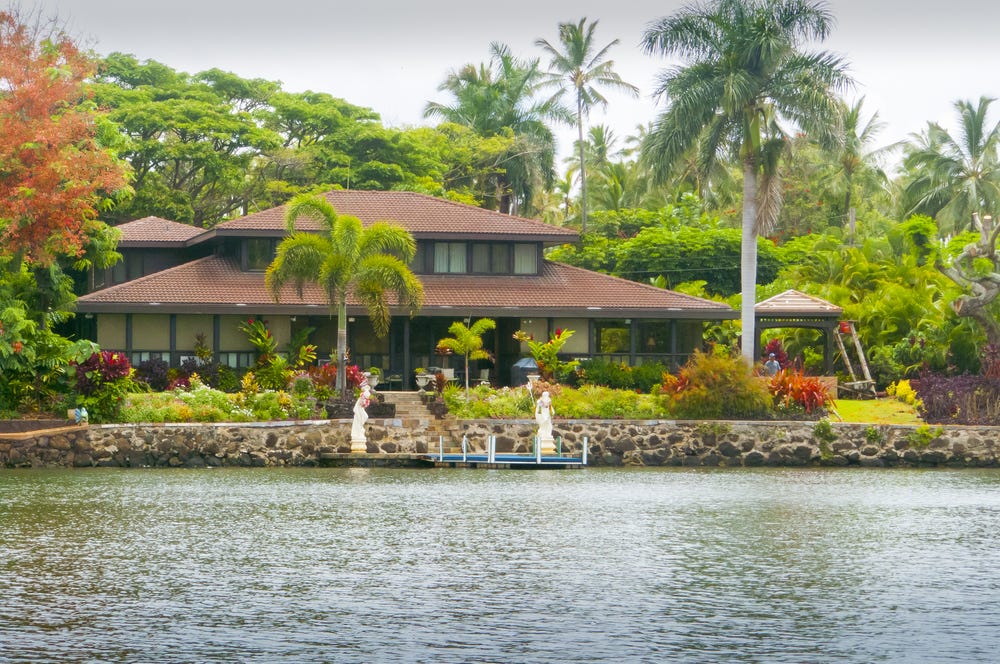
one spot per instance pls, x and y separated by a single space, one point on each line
610 443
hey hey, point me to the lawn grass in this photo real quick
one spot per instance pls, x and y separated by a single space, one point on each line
876 411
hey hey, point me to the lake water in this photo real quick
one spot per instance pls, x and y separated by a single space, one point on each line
597 565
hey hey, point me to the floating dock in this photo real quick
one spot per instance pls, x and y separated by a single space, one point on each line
491 459
526 461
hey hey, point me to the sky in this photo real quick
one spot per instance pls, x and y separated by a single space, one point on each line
912 59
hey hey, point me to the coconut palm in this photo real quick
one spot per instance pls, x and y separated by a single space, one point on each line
953 179
498 100
580 68
346 258
854 152
745 72
468 342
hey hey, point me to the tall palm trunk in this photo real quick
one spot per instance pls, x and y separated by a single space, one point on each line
341 384
583 166
748 259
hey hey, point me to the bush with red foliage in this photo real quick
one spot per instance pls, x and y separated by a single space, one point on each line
326 375
100 369
793 389
103 381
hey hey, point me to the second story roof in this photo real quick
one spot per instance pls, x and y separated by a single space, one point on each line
156 232
425 217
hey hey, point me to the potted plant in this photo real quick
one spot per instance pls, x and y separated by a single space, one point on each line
373 375
422 377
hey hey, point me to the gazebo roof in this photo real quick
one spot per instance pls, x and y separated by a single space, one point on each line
792 303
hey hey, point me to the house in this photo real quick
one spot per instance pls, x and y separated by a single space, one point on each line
177 282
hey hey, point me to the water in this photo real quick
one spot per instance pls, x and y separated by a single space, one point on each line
598 565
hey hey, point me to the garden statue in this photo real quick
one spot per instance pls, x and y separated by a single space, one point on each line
358 440
543 415
81 415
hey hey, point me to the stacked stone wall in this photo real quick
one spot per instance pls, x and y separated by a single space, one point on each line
609 442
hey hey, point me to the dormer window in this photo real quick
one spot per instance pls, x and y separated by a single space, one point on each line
491 258
481 257
258 252
525 258
450 258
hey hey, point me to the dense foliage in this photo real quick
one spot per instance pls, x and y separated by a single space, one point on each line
55 166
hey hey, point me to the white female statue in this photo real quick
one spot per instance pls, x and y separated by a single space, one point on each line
543 415
358 439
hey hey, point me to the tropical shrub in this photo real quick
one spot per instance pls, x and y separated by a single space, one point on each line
546 354
273 371
619 375
33 360
154 373
205 404
589 401
595 401
103 380
793 391
903 391
716 387
966 399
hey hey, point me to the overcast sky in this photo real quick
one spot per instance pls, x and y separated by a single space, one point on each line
911 58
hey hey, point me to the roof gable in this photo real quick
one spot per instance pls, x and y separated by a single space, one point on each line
793 302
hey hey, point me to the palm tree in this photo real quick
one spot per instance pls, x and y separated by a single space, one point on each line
745 72
497 100
346 258
580 68
953 179
854 154
468 342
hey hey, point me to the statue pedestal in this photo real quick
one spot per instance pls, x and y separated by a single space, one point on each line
359 446
547 445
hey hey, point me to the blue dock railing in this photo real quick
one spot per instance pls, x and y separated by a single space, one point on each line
534 458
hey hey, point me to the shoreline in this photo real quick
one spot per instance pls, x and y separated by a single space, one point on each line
404 441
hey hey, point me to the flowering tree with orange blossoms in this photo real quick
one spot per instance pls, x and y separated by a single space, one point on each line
54 171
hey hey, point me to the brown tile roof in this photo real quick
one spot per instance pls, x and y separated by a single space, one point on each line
156 232
423 216
216 285
794 303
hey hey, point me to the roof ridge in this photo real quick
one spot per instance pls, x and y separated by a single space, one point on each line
466 206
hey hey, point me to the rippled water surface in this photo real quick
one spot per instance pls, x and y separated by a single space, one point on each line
602 565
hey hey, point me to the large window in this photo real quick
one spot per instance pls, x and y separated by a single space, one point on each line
449 257
485 258
655 336
419 264
611 336
238 360
525 259
491 258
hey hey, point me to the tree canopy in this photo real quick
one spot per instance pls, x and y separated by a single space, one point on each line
57 170
745 69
